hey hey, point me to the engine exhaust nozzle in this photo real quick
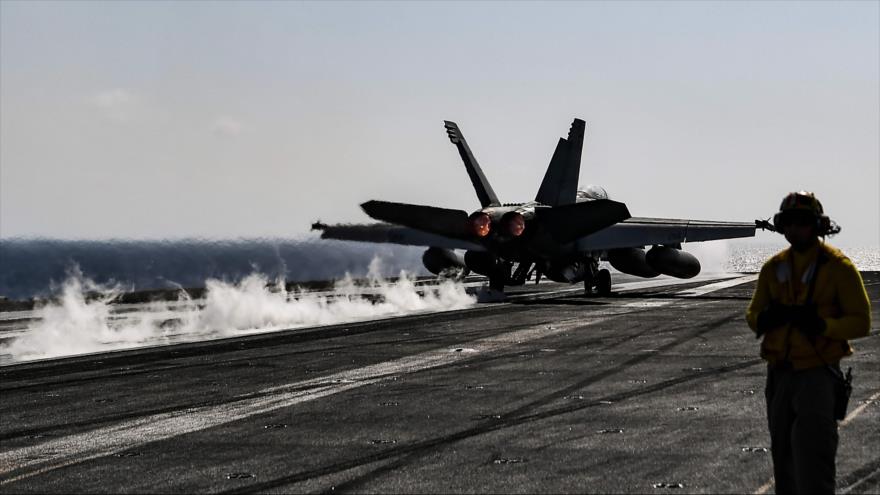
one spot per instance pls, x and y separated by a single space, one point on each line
514 224
480 223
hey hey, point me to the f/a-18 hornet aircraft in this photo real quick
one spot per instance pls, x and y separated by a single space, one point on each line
563 234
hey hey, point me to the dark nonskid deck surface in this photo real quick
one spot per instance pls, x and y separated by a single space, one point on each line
654 390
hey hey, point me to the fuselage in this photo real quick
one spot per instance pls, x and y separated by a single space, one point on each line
511 232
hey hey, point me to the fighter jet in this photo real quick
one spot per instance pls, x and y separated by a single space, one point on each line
562 235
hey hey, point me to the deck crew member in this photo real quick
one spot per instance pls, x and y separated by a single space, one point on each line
809 302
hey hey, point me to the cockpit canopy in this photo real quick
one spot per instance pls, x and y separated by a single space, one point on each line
592 192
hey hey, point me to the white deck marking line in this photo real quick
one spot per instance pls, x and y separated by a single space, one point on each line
669 281
732 280
855 412
859 482
648 304
724 284
639 285
693 292
23 462
765 487
849 417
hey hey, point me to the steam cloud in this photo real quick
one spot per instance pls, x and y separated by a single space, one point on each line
74 325
714 256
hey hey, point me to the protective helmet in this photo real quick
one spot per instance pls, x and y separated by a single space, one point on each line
801 204
801 200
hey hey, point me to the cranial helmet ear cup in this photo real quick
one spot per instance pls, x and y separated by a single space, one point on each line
823 224
776 220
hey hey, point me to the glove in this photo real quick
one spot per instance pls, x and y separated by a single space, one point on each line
806 319
772 317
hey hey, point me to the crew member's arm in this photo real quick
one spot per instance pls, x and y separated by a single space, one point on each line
855 318
760 299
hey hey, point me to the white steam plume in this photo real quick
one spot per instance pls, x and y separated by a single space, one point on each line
713 255
74 325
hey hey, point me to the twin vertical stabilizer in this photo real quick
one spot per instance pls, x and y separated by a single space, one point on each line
560 181
481 184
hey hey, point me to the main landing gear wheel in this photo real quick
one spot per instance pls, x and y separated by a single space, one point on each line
603 282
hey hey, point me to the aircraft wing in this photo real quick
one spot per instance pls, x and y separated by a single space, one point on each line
391 234
641 231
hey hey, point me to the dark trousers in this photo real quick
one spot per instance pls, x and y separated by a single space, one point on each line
803 431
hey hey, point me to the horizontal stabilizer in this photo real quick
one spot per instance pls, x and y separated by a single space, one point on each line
442 221
569 222
392 234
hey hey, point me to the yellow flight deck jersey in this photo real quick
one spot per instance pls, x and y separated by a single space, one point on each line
839 295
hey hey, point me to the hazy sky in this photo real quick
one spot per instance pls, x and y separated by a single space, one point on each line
189 119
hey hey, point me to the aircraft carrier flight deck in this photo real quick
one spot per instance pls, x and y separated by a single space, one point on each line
657 389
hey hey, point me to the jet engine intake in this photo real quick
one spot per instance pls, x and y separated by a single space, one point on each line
673 262
442 261
631 261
